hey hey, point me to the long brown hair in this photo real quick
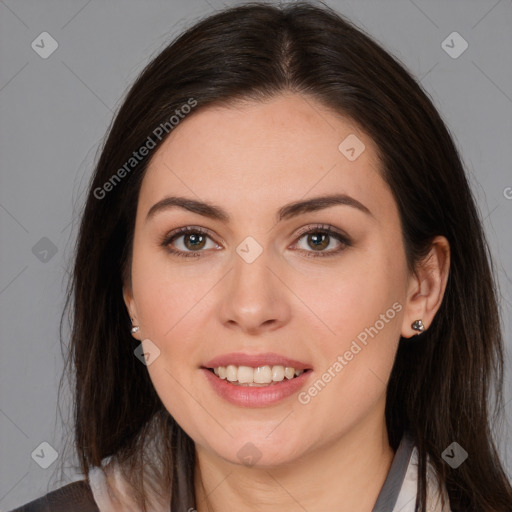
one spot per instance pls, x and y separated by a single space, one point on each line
440 387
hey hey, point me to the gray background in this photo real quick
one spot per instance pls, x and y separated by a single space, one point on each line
55 111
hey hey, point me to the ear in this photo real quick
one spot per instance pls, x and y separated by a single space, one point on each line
130 305
427 286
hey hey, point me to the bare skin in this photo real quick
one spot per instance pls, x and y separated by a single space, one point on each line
251 159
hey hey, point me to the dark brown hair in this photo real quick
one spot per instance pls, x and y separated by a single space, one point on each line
440 386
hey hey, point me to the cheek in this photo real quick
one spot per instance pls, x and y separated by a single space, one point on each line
351 297
168 305
166 292
357 360
360 307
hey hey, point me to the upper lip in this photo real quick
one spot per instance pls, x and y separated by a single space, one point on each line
255 360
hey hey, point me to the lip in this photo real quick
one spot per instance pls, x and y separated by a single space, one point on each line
255 360
257 396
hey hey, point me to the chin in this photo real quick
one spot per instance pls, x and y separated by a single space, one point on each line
259 450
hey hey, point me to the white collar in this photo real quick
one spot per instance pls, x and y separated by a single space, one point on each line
398 493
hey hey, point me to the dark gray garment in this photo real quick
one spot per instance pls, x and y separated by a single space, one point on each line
391 489
75 497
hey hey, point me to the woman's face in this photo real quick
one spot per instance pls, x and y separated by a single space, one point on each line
263 284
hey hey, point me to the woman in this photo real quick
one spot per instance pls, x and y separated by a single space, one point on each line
282 292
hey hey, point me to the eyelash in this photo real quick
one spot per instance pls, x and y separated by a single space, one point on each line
319 228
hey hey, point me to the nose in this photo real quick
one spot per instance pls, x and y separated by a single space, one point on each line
255 298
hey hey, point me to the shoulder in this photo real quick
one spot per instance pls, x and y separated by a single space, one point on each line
77 495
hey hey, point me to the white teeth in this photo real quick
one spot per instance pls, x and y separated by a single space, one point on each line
245 375
262 375
231 373
289 373
278 373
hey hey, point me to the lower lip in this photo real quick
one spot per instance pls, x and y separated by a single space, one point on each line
256 396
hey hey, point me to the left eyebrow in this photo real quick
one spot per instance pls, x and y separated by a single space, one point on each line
286 212
320 203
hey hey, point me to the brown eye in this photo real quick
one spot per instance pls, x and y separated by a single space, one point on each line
318 241
318 238
194 240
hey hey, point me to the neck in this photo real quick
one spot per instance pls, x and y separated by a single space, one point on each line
348 471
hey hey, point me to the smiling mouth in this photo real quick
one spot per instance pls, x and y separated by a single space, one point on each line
256 377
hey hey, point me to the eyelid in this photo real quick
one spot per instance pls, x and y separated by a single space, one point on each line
188 228
320 227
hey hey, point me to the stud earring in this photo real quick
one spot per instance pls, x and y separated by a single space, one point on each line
417 325
135 328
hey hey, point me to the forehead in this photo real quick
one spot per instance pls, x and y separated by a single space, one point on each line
264 153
